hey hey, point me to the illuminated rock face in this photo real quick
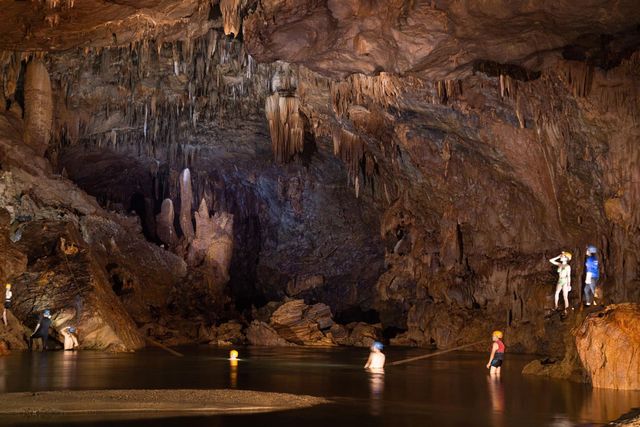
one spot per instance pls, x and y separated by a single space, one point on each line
38 111
608 343
429 158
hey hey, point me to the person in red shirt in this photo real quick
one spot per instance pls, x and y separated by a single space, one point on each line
497 354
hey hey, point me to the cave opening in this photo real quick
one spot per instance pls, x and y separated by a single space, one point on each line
358 314
138 205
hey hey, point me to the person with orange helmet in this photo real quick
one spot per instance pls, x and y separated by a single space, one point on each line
497 354
564 277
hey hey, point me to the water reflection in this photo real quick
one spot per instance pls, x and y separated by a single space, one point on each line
606 404
233 373
376 390
496 395
69 368
3 375
39 370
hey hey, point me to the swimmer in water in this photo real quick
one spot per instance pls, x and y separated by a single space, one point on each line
497 354
376 358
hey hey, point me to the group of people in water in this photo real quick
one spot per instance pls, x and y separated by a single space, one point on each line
376 360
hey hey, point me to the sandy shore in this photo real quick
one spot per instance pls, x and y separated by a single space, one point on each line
152 402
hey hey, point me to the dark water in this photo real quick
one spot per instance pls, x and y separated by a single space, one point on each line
448 390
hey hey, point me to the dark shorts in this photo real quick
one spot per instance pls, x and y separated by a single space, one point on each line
496 363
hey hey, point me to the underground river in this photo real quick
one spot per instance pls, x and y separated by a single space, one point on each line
450 390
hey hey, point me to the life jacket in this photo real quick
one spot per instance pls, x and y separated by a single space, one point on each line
592 266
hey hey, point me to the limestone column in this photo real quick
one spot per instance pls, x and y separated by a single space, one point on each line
186 197
38 108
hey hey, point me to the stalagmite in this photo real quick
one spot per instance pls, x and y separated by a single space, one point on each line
164 220
231 17
38 114
186 197
213 242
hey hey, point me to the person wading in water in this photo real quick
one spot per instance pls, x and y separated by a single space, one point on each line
42 330
497 354
376 358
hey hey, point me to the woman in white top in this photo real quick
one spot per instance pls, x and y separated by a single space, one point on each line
564 277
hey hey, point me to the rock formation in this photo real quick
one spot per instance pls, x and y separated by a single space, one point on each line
301 324
608 343
165 230
38 107
186 198
429 159
213 241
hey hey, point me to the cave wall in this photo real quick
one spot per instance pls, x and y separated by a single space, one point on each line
426 158
485 167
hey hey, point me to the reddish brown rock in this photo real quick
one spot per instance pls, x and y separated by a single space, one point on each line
164 220
38 112
608 343
301 324
229 333
260 333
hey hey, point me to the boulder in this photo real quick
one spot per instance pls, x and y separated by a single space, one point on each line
360 334
259 333
608 343
301 324
228 334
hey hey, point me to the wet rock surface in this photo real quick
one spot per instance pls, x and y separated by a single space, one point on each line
608 343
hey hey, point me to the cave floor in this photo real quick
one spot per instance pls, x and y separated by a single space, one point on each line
448 390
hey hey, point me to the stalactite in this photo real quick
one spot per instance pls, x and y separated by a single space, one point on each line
231 16
579 76
285 125
350 148
448 89
508 86
38 101
382 90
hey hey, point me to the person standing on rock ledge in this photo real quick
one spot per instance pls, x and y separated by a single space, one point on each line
564 278
7 302
592 275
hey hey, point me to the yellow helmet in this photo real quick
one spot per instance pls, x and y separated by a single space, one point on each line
497 334
566 254
233 354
